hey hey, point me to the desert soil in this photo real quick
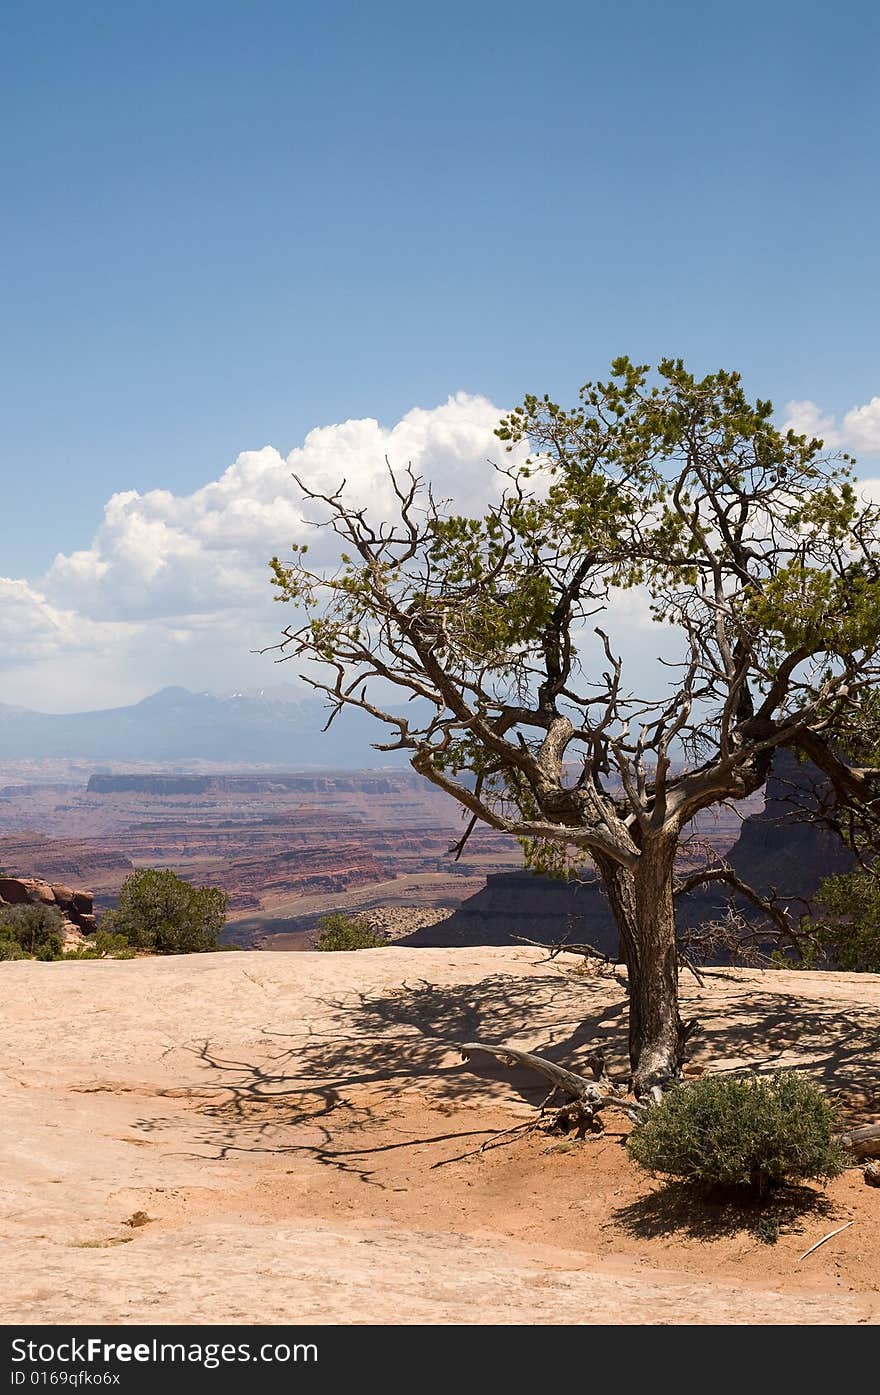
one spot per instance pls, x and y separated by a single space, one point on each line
293 1138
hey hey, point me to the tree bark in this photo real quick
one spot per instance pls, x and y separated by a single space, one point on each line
643 909
863 1142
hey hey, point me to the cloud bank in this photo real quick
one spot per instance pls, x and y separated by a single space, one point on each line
174 588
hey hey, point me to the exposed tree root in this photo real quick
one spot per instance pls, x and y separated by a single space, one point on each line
587 1098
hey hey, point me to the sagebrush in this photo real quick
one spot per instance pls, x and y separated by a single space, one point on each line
748 1133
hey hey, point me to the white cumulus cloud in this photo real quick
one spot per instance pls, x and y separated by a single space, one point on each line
858 430
161 554
175 588
33 628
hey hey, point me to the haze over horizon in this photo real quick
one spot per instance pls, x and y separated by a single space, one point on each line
241 243
280 726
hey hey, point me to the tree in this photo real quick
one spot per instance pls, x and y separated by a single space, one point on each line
754 552
158 910
343 932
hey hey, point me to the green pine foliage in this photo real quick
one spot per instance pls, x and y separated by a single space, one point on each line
160 912
103 945
9 946
847 930
30 932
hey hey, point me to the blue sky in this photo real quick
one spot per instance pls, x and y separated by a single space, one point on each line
225 225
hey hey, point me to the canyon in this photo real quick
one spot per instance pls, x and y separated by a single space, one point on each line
270 839
289 846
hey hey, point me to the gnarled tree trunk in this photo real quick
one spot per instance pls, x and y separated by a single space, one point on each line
643 908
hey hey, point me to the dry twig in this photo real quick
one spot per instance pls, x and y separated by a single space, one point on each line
830 1236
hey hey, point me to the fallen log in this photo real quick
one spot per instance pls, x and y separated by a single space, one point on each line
587 1096
558 1076
863 1142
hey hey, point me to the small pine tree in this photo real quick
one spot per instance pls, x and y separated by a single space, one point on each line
847 930
159 911
33 930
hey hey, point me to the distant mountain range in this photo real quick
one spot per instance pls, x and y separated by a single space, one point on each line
279 727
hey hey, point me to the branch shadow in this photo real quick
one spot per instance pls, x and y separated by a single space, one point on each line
334 1094
766 1030
316 1092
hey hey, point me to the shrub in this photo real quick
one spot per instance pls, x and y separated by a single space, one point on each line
751 1134
103 945
9 947
34 929
343 932
158 910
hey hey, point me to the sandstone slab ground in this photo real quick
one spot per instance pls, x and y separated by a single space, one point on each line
271 1137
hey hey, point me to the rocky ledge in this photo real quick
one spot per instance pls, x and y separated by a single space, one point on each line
77 907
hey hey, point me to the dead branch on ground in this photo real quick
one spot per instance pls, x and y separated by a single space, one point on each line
863 1142
587 1098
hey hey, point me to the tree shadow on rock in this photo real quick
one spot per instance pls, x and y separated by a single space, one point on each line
317 1091
407 1033
766 1031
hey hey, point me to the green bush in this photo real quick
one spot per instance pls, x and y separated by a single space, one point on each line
342 932
103 945
749 1134
847 928
159 911
9 947
35 930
